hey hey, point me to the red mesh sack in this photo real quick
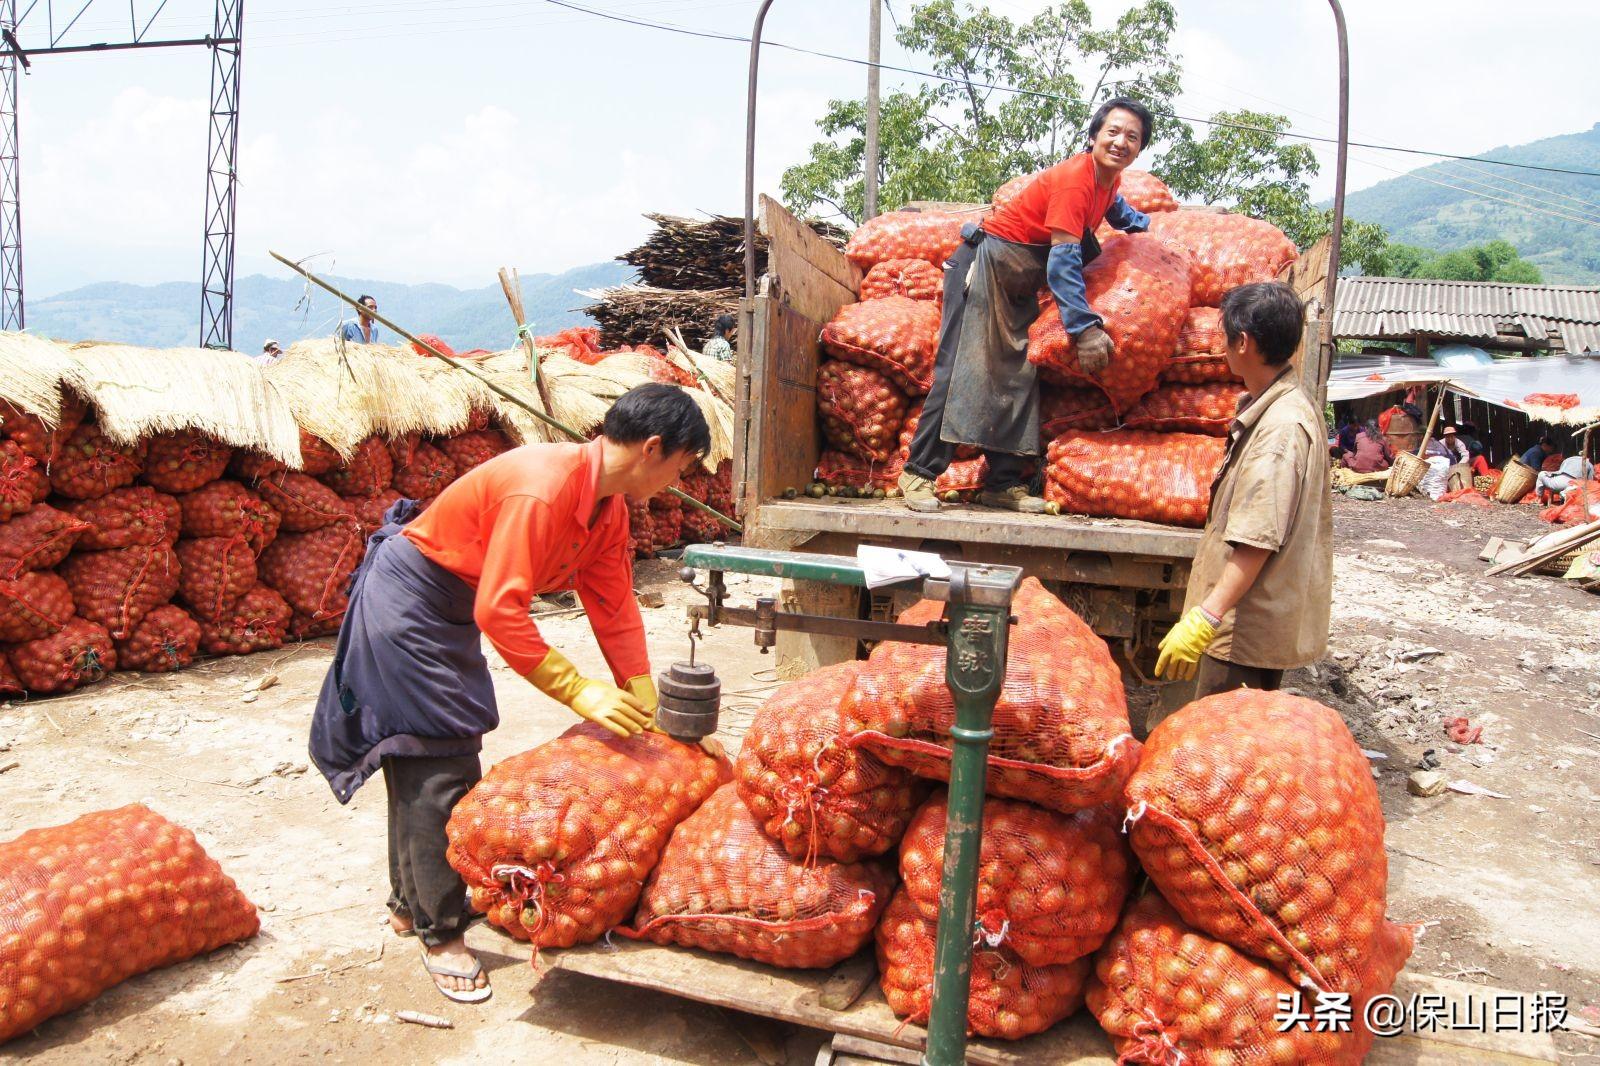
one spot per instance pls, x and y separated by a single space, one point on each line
1009 999
1167 994
94 902
33 605
258 621
18 480
1130 473
253 466
1009 191
1563 400
579 342
1572 509
91 464
862 412
127 518
963 476
185 460
1146 192
1207 409
216 571
1050 885
37 540
1061 409
403 449
117 588
467 450
36 439
369 471
722 885
555 844
9 685
426 474
228 509
1140 288
369 510
810 791
719 493
311 570
642 529
646 360
1256 816
667 526
841 470
1227 250
317 456
896 335
165 640
80 654
436 342
303 503
1061 735
916 279
1202 351
930 235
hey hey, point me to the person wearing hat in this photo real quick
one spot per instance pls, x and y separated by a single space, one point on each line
1459 476
271 354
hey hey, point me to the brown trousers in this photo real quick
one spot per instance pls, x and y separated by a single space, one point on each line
1214 676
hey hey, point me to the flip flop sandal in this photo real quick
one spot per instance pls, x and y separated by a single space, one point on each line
476 995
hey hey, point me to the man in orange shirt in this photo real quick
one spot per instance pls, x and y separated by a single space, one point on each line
985 392
409 690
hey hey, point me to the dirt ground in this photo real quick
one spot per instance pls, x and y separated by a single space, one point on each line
1419 635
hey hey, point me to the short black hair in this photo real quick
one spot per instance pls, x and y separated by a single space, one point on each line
658 410
723 324
364 299
1123 103
1271 313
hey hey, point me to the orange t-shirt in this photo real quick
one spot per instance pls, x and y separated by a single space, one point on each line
516 527
1064 197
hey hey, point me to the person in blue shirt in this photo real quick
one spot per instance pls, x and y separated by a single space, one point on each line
363 330
1536 455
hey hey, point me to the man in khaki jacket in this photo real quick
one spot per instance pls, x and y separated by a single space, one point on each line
1262 580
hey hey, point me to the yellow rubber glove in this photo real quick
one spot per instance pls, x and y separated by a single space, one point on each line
1183 645
604 704
643 689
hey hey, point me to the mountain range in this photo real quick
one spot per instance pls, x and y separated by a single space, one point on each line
1552 218
288 309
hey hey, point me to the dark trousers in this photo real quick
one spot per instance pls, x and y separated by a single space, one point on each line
422 885
931 456
1216 676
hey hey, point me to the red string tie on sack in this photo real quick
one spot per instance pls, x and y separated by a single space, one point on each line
1153 1044
525 887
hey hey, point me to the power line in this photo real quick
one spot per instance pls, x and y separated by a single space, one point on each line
718 36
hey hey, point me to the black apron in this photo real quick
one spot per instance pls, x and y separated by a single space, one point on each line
991 297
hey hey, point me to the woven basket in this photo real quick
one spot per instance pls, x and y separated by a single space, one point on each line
1406 474
1516 482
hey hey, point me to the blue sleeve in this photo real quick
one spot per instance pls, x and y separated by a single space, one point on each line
350 331
1125 218
1534 457
1064 271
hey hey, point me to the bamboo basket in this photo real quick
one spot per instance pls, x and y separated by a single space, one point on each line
1406 474
1516 482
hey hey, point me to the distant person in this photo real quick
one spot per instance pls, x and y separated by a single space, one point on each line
363 330
1455 449
1552 485
1468 433
1540 456
271 354
1368 452
718 347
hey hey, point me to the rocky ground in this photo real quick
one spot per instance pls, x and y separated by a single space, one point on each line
1419 636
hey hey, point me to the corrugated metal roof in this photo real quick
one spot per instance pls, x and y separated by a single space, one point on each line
1568 315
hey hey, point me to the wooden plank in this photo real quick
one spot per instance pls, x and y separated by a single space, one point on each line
795 996
873 1050
801 653
787 440
979 527
1461 1045
848 980
790 235
805 288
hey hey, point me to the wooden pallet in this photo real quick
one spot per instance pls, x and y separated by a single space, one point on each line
846 1000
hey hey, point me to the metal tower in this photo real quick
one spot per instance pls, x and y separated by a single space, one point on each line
10 178
222 176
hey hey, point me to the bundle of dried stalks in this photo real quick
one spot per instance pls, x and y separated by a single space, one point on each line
139 392
582 394
691 253
638 314
30 374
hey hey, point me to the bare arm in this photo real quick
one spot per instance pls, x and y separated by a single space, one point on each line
1238 574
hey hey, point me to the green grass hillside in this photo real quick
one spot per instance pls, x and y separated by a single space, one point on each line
1419 208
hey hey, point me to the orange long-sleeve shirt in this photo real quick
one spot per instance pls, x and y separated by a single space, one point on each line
518 526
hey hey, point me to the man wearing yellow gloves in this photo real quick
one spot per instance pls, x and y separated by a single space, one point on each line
1262 580
409 690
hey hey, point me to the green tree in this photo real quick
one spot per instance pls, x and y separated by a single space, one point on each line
1490 261
957 140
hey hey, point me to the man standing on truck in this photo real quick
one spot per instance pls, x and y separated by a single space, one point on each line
1262 581
410 692
985 392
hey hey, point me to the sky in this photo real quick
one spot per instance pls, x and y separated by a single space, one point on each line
417 140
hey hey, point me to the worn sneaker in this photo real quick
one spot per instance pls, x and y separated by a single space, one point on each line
1016 498
918 492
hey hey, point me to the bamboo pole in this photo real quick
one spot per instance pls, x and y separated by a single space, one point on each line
511 284
492 386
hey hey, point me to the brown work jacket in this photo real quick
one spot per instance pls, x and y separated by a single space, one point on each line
1272 492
